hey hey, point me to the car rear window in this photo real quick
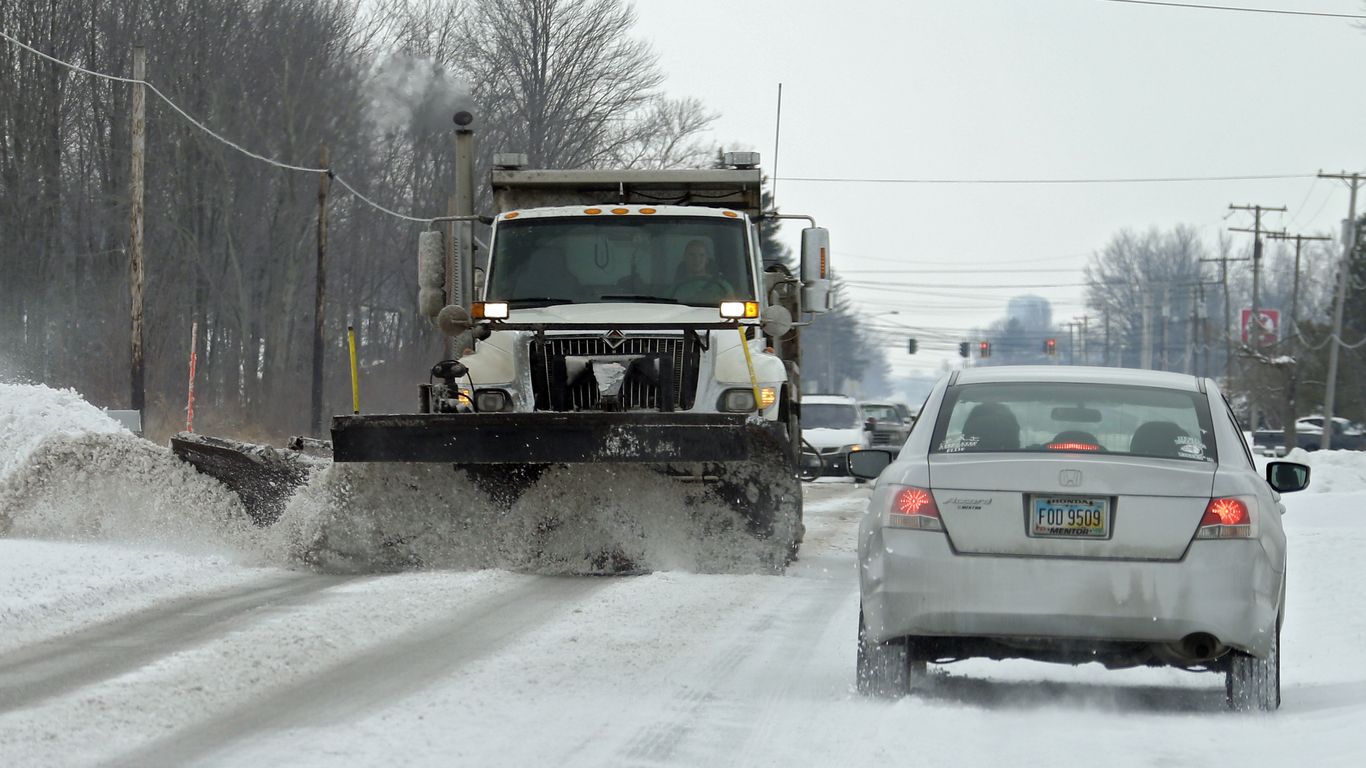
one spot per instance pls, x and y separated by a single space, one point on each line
1073 417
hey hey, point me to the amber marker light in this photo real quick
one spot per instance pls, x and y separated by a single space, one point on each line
647 211
592 211
731 214
620 211
511 215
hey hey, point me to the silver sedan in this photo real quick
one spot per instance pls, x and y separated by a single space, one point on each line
1072 514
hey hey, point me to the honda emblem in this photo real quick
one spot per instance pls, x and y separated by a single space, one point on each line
1069 478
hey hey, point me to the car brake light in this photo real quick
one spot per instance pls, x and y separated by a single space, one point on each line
915 508
1226 518
1072 447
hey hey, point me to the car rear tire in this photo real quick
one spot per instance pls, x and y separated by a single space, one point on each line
1252 684
888 669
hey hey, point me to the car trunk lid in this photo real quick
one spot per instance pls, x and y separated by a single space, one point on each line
1070 505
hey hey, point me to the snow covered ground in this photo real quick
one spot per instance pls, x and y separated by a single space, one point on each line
133 635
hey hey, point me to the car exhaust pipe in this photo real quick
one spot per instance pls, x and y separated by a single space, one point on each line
1199 646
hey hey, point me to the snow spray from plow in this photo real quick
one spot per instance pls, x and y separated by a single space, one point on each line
68 471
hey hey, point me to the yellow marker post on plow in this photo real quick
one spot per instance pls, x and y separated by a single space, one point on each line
355 379
753 380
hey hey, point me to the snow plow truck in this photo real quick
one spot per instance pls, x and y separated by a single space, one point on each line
619 317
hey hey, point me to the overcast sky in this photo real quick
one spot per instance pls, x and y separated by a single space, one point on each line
972 89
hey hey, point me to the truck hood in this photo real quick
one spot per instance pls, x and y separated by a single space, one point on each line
624 313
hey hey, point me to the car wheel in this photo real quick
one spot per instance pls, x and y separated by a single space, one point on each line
1251 683
886 669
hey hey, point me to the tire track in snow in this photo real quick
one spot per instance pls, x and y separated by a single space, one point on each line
104 651
361 683
715 705
708 705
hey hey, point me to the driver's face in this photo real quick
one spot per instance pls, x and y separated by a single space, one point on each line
696 258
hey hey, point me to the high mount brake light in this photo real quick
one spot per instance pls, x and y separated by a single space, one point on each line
914 508
1226 518
1072 447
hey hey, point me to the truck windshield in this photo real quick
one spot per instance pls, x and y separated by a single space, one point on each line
829 416
692 260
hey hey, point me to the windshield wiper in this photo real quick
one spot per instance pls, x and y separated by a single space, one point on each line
639 297
543 300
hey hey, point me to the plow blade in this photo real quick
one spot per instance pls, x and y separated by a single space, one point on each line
550 438
262 476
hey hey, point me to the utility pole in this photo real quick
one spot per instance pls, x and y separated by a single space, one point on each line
1166 317
1189 366
1228 338
1145 360
1254 336
319 294
1106 314
135 183
1292 384
1255 340
1344 275
1085 357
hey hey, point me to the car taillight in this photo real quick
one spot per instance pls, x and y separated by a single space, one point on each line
1226 518
914 508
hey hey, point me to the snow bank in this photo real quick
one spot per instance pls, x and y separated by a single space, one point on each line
30 414
1332 471
69 471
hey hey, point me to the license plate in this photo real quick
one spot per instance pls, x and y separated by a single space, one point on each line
1069 517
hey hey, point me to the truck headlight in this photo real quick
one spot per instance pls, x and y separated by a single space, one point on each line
742 400
491 400
735 310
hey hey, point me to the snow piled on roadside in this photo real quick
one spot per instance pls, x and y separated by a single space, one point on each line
68 471
31 414
1332 471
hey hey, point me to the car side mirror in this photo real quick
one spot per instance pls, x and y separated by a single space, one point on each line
1287 476
810 465
868 463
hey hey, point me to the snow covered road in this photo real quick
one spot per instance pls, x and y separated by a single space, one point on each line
236 665
123 646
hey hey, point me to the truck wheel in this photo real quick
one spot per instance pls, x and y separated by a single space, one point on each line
1251 683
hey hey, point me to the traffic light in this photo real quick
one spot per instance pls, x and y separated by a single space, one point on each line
1050 346
984 349
962 349
912 346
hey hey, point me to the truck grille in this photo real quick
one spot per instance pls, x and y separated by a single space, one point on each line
679 357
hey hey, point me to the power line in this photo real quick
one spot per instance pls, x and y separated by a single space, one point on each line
1240 9
951 286
916 271
222 139
1116 180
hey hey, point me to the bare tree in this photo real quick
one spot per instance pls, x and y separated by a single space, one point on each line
558 79
1142 283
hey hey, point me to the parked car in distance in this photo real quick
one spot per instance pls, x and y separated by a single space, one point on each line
888 426
1347 436
835 426
1069 515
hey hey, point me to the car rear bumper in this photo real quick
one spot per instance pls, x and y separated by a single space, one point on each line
912 583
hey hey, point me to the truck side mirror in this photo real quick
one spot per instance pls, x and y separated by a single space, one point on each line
431 273
816 270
